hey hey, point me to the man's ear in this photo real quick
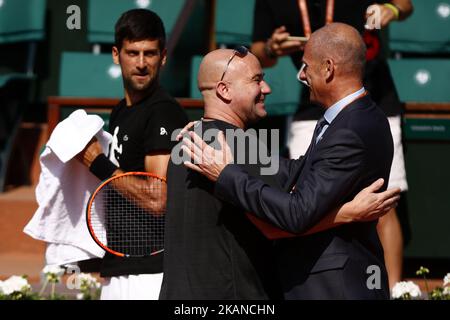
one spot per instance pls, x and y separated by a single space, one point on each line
163 57
115 55
223 91
329 69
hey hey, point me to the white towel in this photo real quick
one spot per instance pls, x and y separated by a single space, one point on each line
63 191
72 134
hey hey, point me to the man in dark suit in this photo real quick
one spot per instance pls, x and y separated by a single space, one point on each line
351 147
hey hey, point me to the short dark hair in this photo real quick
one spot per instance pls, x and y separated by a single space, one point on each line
138 25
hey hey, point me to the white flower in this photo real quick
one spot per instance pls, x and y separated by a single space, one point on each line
14 284
80 296
403 288
446 291
88 280
55 269
447 279
53 273
2 285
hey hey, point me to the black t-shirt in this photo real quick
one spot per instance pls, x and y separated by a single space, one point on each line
271 14
212 251
137 131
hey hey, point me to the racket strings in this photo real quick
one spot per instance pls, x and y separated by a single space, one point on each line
130 225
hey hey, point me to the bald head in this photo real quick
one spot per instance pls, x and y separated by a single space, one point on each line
213 66
343 44
233 87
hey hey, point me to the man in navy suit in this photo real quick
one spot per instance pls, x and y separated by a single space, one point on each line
351 147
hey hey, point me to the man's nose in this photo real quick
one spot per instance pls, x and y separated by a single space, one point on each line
265 88
141 61
302 75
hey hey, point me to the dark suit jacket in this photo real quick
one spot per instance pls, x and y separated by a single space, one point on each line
340 263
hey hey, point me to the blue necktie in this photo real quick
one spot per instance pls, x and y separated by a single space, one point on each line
319 126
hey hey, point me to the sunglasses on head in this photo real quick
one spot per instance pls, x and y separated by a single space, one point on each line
239 51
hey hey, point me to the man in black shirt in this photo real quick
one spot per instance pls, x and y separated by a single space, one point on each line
275 21
212 250
141 125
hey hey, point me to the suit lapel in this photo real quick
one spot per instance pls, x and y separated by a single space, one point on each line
363 102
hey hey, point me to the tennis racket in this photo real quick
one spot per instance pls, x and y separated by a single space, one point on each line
125 214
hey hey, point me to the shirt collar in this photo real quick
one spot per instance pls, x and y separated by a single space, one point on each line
334 110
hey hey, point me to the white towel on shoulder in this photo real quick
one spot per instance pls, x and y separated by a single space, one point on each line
63 191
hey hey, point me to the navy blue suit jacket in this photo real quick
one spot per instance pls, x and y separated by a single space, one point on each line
340 263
